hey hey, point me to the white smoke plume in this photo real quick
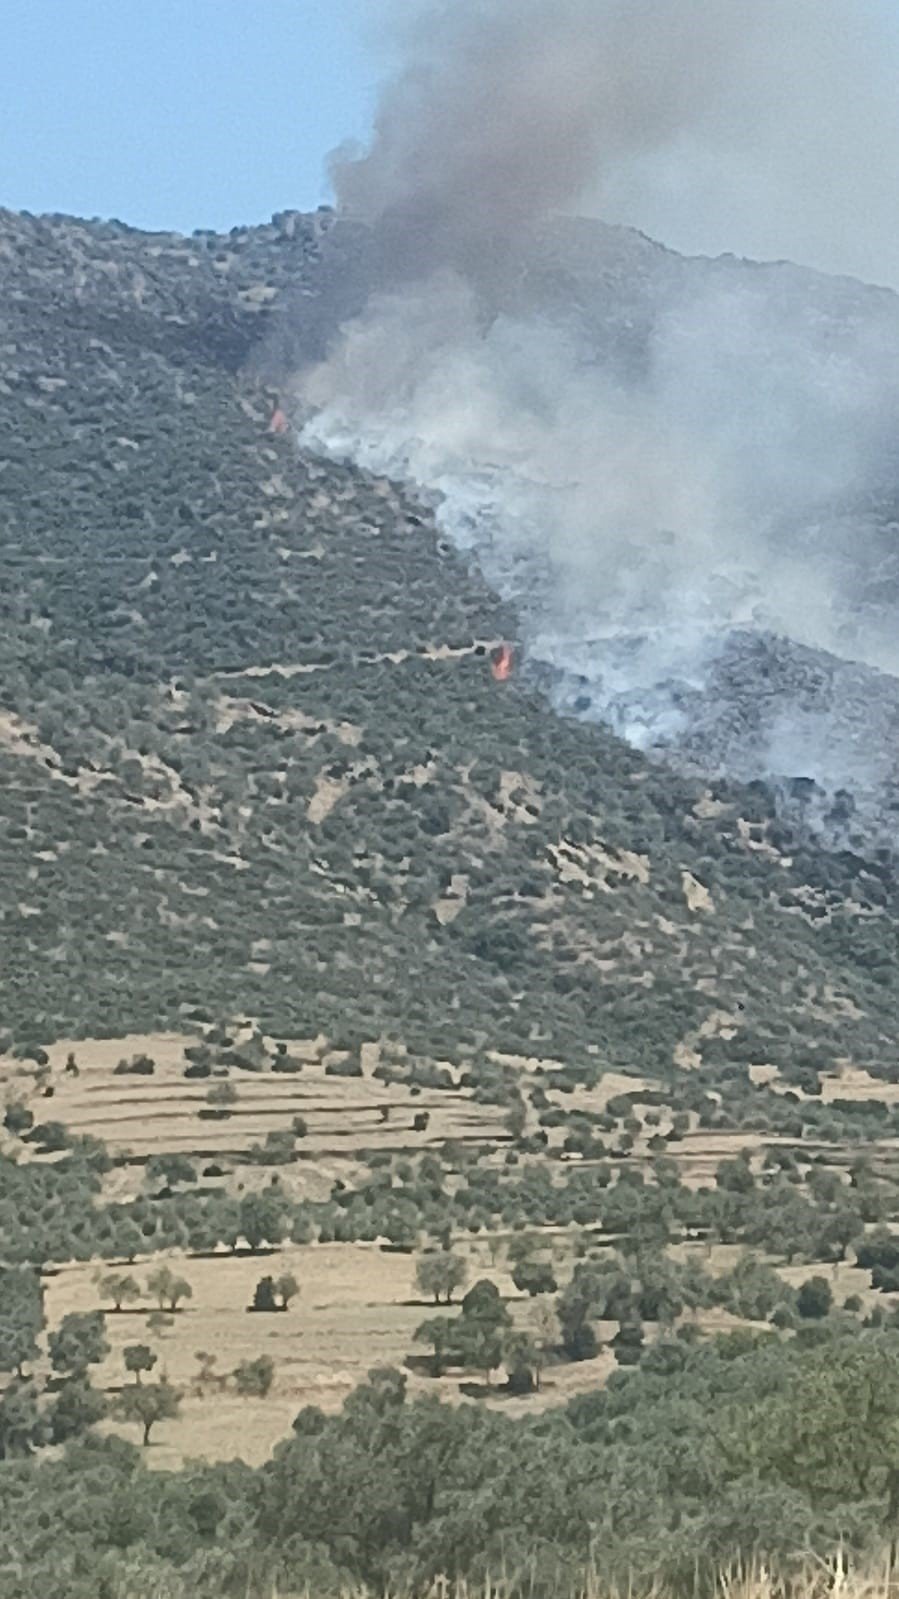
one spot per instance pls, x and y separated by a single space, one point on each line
639 511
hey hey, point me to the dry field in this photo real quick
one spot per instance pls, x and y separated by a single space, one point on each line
151 1115
357 1307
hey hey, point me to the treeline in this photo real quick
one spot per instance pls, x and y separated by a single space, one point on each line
741 1447
795 1206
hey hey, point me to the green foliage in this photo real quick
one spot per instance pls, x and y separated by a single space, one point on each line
534 1277
121 1288
147 1404
76 1408
440 1275
139 1358
167 1288
78 1342
815 1298
253 1378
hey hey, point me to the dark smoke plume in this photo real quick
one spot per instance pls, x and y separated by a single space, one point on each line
644 504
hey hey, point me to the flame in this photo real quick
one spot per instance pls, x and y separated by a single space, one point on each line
278 423
501 663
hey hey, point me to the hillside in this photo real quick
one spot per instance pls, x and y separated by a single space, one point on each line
253 684
339 978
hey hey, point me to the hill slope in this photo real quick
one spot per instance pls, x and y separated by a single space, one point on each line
253 757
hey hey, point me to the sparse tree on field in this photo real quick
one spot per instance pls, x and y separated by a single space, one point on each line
138 1358
221 1097
120 1288
148 1403
207 1376
440 1275
436 1331
167 1289
521 1359
159 1322
287 1288
253 1378
264 1295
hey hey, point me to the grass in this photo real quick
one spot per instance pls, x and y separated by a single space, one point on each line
807 1578
357 1307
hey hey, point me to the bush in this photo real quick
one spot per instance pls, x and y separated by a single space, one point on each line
137 1066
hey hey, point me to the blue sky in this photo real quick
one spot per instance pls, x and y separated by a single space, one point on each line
179 113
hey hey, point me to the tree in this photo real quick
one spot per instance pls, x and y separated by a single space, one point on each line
735 1176
167 1289
521 1359
159 1322
815 1298
484 1303
22 1428
76 1408
628 1343
264 1295
220 1098
534 1277
478 1344
576 1308
287 1288
438 1332
516 1119
479 1331
522 1247
169 1170
253 1378
262 1219
440 1275
545 1332
138 1358
128 1239
78 1342
148 1403
207 1372
21 1317
18 1119
119 1288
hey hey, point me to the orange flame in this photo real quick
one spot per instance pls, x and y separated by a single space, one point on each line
278 423
501 663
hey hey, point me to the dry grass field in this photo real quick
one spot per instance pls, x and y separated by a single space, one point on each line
151 1115
357 1307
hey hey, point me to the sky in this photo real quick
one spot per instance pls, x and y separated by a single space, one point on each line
184 114
180 114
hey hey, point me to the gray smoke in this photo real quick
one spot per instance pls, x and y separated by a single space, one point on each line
768 128
656 456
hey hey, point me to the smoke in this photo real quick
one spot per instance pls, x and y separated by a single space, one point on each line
647 455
